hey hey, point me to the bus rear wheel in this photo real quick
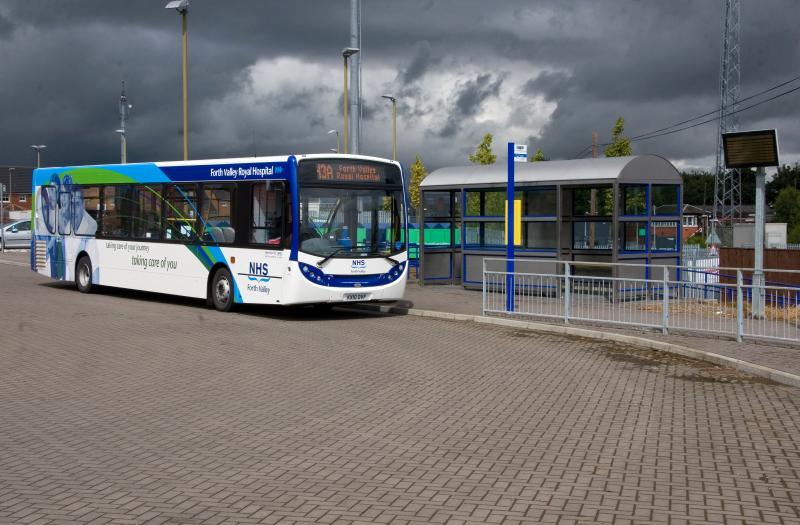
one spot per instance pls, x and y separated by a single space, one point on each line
222 290
83 274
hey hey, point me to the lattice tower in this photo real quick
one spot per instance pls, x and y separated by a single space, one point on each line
728 183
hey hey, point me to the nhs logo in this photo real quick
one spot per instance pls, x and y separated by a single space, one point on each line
358 266
259 272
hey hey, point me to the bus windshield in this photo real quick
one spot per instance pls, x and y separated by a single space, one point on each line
348 222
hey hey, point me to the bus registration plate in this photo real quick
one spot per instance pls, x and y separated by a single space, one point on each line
356 296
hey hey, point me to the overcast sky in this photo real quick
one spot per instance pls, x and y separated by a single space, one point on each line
265 76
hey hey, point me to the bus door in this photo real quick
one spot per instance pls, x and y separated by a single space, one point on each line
266 258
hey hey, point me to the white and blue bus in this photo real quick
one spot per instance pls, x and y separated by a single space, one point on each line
306 229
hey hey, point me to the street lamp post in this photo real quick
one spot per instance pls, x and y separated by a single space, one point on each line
347 53
394 124
182 6
331 132
124 150
38 149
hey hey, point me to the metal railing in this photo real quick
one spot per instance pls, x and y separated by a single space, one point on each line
663 297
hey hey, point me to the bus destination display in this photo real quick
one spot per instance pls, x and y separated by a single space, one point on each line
332 171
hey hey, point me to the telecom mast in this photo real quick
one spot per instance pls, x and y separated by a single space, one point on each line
124 113
728 183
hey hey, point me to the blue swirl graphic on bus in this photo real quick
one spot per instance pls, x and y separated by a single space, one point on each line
259 272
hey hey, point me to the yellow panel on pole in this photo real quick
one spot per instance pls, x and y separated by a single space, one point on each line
517 222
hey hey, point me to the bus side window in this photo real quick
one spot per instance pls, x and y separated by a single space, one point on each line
216 214
116 211
266 217
147 222
180 212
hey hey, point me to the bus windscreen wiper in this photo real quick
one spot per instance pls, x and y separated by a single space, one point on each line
330 255
394 262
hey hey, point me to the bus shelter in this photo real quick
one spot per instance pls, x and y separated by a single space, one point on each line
606 210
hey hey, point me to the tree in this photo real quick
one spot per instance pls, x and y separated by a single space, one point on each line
538 156
786 176
483 155
620 145
793 235
698 188
418 173
787 207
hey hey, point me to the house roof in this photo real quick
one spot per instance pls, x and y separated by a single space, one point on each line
635 169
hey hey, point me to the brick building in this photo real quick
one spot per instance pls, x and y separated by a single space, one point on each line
17 197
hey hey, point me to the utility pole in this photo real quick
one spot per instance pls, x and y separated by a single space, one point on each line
727 183
355 80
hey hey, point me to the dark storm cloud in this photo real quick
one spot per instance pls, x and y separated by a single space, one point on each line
550 85
422 60
652 62
469 99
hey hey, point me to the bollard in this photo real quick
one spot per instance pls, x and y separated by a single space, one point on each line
739 307
567 294
665 302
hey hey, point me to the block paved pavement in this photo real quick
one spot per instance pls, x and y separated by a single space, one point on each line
454 299
123 407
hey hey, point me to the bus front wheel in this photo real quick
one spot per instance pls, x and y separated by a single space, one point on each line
83 274
222 290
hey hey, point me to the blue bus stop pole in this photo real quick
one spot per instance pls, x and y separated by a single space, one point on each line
510 229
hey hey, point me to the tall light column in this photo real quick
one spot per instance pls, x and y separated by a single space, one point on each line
355 77
394 124
38 149
182 6
346 54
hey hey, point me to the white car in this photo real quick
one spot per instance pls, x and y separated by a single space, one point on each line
16 234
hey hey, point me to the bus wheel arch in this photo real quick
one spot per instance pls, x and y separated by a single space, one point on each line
220 288
83 272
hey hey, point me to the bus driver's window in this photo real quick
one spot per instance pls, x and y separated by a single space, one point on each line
266 226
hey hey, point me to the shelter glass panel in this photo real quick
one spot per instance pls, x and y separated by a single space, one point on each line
665 199
591 235
438 234
473 201
634 200
592 201
437 204
540 235
472 232
664 236
633 236
494 204
493 234
540 202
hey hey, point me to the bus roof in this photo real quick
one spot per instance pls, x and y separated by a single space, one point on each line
224 169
